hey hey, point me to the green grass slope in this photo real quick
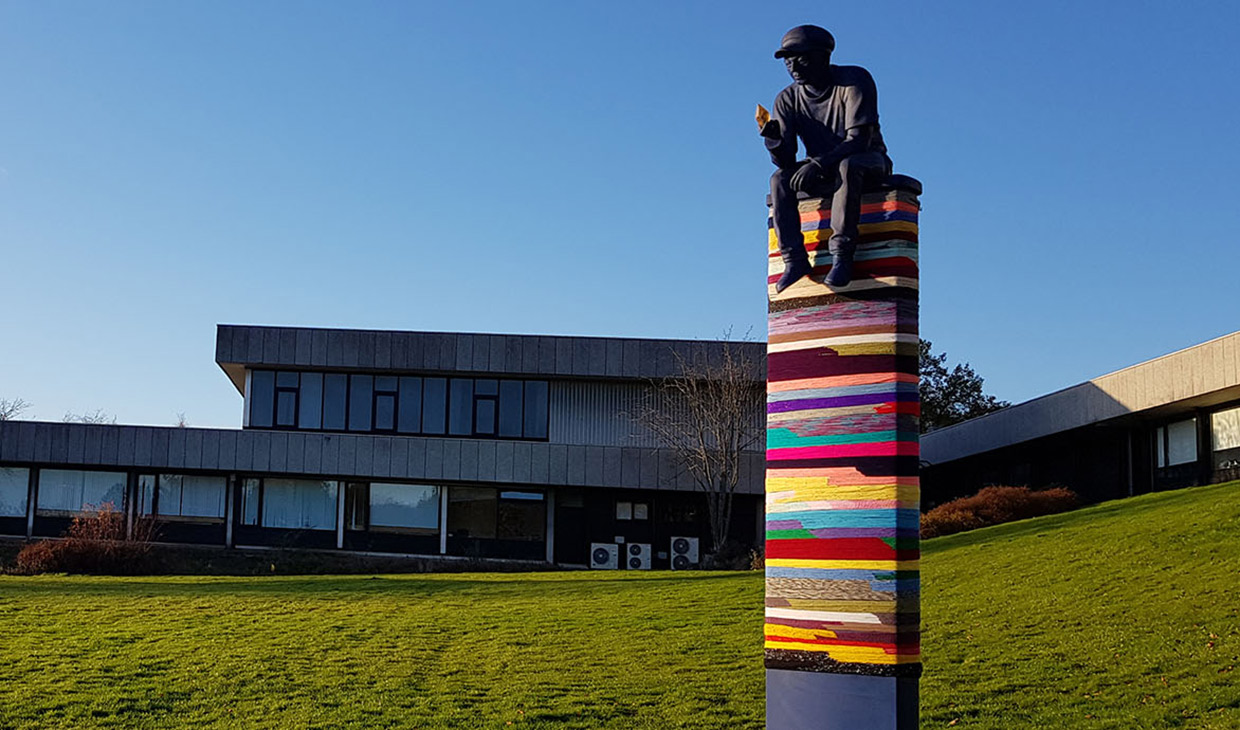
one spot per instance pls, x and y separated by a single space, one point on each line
1123 615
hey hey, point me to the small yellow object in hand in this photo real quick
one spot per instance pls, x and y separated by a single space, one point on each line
762 116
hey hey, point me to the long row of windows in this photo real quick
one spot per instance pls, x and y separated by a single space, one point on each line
299 504
413 405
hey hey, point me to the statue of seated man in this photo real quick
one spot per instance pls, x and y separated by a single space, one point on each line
834 112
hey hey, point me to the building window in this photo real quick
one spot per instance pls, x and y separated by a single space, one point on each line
295 504
70 491
632 511
182 496
310 405
485 513
385 403
1176 443
14 486
404 507
1225 429
431 406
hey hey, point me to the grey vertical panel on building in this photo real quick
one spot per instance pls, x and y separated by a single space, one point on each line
193 449
367 349
383 350
576 473
346 454
58 446
43 442
295 453
381 458
417 458
482 353
228 449
25 441
498 345
398 461
223 344
503 461
529 354
558 464
110 452
540 463
433 466
364 455
611 466
464 357
594 465
288 346
279 459
318 347
209 455
615 358
469 460
304 352
546 354
8 442
649 469
630 467
329 455
451 468
522 458
262 450
512 353
486 460
447 352
176 448
563 356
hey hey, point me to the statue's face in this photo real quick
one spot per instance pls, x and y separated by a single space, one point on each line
810 67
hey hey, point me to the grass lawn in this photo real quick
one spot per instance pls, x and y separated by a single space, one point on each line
1123 615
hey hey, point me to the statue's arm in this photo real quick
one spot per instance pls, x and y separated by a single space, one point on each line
855 142
780 137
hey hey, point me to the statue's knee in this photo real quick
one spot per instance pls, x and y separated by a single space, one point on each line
781 179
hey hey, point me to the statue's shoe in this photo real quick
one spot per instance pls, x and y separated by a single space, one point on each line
840 274
793 272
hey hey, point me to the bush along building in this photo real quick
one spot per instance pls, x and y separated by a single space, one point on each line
1170 422
473 445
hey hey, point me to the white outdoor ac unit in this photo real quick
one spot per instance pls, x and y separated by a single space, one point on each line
638 555
604 556
684 553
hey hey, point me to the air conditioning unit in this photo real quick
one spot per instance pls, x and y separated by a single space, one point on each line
684 553
604 556
639 555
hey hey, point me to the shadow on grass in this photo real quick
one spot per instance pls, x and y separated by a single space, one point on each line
507 585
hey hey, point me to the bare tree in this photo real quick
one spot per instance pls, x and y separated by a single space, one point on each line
12 408
708 416
182 422
96 416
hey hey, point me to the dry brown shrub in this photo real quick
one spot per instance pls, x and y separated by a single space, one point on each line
95 543
994 506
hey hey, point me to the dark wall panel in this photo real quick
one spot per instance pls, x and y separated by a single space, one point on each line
522 462
304 354
503 461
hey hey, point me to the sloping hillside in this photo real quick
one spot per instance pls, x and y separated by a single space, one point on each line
1122 615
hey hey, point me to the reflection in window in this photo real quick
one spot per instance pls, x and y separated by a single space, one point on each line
251 496
299 504
14 486
1225 429
472 512
536 409
410 405
521 516
262 396
435 405
189 496
361 389
310 413
510 397
335 396
404 506
461 407
62 490
1176 443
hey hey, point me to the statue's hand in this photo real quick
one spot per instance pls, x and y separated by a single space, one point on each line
762 116
806 175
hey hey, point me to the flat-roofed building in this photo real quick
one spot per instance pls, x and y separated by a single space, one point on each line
1169 422
480 445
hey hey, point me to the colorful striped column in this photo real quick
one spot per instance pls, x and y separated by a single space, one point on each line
842 545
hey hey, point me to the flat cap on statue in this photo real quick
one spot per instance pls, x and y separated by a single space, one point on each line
805 38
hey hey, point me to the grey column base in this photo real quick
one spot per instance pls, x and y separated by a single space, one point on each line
826 701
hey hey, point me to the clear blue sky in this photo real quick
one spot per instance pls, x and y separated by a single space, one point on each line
586 168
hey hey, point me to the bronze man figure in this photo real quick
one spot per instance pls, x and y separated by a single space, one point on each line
834 112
